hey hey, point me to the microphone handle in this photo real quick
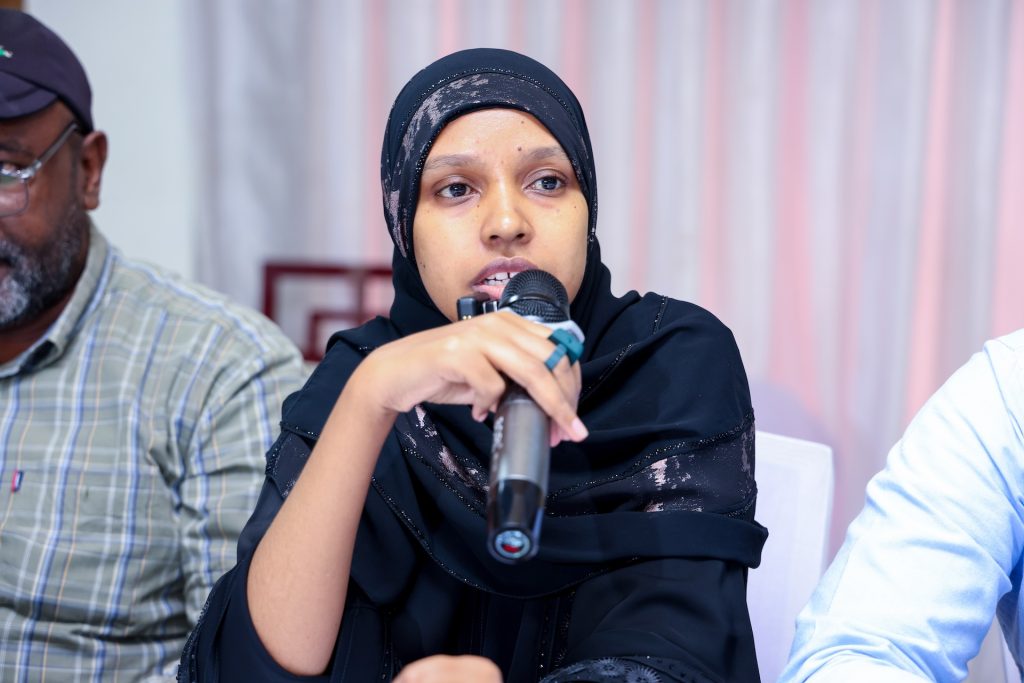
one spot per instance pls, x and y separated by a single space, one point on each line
519 477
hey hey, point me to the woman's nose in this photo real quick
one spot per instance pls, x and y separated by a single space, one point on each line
506 219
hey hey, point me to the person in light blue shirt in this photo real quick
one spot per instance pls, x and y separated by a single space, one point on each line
937 550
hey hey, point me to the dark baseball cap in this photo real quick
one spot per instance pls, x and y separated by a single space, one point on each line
37 68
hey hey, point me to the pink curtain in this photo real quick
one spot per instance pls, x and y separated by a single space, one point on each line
841 182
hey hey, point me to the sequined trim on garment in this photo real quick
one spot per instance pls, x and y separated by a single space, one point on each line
626 670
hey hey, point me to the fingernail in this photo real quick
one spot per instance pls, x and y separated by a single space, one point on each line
578 430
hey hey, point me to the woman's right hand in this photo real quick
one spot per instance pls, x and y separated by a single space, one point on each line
466 363
450 669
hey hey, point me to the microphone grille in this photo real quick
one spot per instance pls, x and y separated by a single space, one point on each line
536 294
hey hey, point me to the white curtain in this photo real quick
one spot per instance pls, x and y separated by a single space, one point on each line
841 182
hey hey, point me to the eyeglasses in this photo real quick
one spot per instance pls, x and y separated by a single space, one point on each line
14 181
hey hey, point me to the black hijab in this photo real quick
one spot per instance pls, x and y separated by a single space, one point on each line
662 382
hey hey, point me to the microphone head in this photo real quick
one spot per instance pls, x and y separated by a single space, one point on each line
538 295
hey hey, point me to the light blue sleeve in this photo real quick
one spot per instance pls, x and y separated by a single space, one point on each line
913 590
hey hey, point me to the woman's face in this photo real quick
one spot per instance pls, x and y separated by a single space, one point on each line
498 196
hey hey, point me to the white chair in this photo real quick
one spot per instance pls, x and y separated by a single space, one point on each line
994 663
1009 666
795 484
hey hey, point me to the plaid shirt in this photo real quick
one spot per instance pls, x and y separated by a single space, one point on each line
131 455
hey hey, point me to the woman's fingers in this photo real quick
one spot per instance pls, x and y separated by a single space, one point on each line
485 385
568 376
540 346
518 349
530 373
468 363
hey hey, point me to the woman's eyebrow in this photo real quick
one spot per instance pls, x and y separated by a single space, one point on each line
451 160
464 160
540 153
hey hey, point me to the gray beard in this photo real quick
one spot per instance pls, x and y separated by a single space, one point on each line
39 279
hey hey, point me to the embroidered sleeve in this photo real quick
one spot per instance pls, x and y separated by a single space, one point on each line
626 670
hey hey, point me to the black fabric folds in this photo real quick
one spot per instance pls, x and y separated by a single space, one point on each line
662 488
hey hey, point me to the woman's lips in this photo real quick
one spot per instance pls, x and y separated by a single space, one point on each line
492 291
496 274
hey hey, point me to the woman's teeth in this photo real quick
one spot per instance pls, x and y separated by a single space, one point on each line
498 278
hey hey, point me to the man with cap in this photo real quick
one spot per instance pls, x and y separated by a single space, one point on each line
135 408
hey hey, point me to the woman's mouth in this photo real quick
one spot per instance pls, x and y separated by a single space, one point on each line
493 278
494 285
498 279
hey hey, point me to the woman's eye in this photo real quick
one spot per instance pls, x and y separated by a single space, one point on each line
454 191
549 183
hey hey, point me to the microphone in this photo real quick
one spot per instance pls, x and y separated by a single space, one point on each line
520 451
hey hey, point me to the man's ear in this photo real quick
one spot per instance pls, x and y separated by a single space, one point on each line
91 160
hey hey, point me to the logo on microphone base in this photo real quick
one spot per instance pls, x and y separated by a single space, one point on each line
512 544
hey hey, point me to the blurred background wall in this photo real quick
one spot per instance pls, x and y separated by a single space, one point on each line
136 55
841 182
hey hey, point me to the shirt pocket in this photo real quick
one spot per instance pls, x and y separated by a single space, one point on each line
83 539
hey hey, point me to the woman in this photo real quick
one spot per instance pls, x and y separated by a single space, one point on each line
487 170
